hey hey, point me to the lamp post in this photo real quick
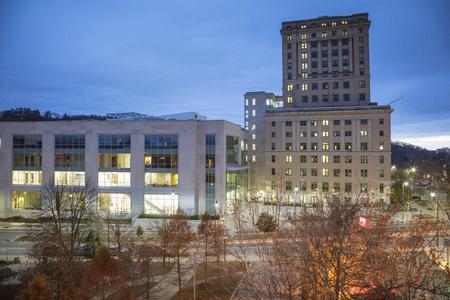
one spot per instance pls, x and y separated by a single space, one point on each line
413 170
295 201
437 219
404 198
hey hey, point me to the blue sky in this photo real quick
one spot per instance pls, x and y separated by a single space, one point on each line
161 57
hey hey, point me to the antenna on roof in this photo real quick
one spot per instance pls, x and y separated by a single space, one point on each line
395 100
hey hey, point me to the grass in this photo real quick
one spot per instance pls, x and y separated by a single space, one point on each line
222 280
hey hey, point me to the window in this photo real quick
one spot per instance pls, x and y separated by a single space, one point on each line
314 158
381 173
315 86
253 158
336 186
344 52
337 172
348 172
304 65
345 42
361 50
304 75
314 133
325 146
348 187
289 75
364 159
336 98
289 55
337 159
325 172
363 132
362 96
304 55
325 85
381 188
364 173
288 172
344 32
324 44
273 158
288 185
334 33
360 30
348 133
361 39
273 123
302 146
381 133
325 53
253 112
334 43
303 158
288 146
304 45
363 146
381 146
323 24
289 87
381 159
304 99
348 146
302 172
346 84
289 46
303 26
324 64
315 98
325 123
304 86
364 187
361 71
289 99
334 52
313 186
335 63
273 171
288 134
345 62
314 123
253 147
325 187
25 200
288 123
303 36
289 37
348 159
273 146
289 66
314 146
313 44
361 60
363 121
253 136
381 121
324 98
314 65
314 172
303 134
302 123
120 203
325 133
348 122
346 97
337 146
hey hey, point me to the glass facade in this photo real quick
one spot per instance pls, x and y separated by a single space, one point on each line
161 160
160 204
70 159
232 149
27 159
25 200
114 160
210 174
237 187
114 203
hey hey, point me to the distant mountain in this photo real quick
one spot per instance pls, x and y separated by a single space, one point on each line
27 114
403 154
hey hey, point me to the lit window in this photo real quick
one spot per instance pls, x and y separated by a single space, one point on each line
337 146
288 146
325 172
289 37
289 99
364 159
314 123
325 146
253 147
304 86
120 203
324 34
303 36
333 23
288 158
323 24
381 146
302 146
337 172
304 55
348 159
314 146
246 102
304 65
325 159
313 133
304 45
348 146
288 172
289 87
344 32
253 158
325 133
364 146
253 136
304 75
303 134
314 172
313 158
362 84
348 172
324 85
254 101
253 112
303 26
344 22
325 123
363 132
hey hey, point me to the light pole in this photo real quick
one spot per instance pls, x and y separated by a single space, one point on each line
414 180
295 201
404 198
437 219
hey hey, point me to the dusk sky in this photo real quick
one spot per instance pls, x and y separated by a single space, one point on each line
163 57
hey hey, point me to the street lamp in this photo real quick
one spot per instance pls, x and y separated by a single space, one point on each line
437 219
413 170
404 198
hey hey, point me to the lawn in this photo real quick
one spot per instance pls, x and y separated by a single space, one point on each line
222 280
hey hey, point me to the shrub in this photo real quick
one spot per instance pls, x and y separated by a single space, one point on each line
266 222
139 231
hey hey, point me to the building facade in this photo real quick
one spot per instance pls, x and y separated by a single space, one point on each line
325 137
139 166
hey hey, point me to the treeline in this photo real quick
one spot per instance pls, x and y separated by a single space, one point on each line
27 114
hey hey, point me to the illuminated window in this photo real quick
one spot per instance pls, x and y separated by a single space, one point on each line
303 26
253 136
324 34
302 146
304 45
161 204
314 158
344 22
364 159
253 147
325 146
337 146
314 172
289 99
114 179
348 159
304 55
381 145
304 65
304 75
314 123
344 32
288 172
302 172
362 84
333 23
253 127
289 37
314 133
27 177
348 146
303 36
325 172
288 146
348 172
288 158
289 87
364 146
114 203
363 132
325 159
323 24
70 178
253 112
246 102
304 86
325 133
337 172
253 158
25 200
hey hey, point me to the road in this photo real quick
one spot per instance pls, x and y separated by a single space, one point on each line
14 249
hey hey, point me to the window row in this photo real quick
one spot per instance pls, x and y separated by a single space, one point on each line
304 134
364 159
347 187
324 73
327 98
328 122
326 172
327 146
